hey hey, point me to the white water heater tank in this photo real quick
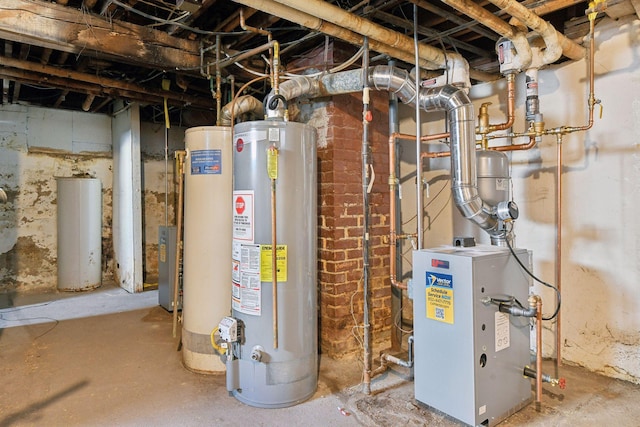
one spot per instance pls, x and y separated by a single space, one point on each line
207 239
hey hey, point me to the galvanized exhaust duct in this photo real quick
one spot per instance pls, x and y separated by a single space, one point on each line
449 98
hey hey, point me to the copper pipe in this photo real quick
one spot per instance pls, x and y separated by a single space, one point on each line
559 250
517 147
179 169
274 243
538 302
592 99
511 102
218 81
393 236
435 154
246 27
392 207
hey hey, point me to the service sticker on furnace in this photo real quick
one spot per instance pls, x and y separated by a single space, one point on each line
439 297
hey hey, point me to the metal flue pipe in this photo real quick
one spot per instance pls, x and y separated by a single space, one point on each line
462 130
464 180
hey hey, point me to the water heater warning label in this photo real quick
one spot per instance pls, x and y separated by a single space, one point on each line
266 262
243 219
247 288
439 297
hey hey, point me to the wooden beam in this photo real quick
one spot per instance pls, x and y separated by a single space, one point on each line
91 84
70 30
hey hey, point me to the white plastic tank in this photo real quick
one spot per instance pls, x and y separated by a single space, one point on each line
207 239
79 209
263 371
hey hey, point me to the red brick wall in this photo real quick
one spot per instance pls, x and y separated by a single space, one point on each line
340 221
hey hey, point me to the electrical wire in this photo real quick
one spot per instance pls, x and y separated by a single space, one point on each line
55 321
177 24
542 282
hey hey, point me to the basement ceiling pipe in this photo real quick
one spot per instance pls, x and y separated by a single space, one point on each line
344 19
489 20
317 24
570 49
313 14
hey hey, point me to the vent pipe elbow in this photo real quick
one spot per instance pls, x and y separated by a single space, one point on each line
464 180
396 80
291 89
242 105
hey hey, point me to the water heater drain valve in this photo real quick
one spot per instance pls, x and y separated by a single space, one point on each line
228 329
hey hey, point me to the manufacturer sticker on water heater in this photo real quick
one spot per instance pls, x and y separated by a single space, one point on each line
243 216
439 297
206 162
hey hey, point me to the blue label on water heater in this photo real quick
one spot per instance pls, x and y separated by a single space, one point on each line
206 162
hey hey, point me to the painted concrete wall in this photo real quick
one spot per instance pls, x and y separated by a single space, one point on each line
601 198
37 145
155 184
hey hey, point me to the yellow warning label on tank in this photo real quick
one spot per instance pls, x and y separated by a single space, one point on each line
439 297
266 262
163 253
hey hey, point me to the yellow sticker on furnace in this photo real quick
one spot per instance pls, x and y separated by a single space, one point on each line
439 297
266 262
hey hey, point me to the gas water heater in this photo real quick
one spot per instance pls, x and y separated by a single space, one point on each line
272 357
207 213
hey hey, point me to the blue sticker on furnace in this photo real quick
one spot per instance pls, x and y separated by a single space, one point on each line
439 279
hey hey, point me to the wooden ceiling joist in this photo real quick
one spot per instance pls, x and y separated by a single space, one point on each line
31 72
71 30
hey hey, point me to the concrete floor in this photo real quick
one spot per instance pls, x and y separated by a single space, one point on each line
120 366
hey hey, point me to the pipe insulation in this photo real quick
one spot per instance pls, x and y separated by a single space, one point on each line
336 22
314 23
488 19
555 42
242 105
